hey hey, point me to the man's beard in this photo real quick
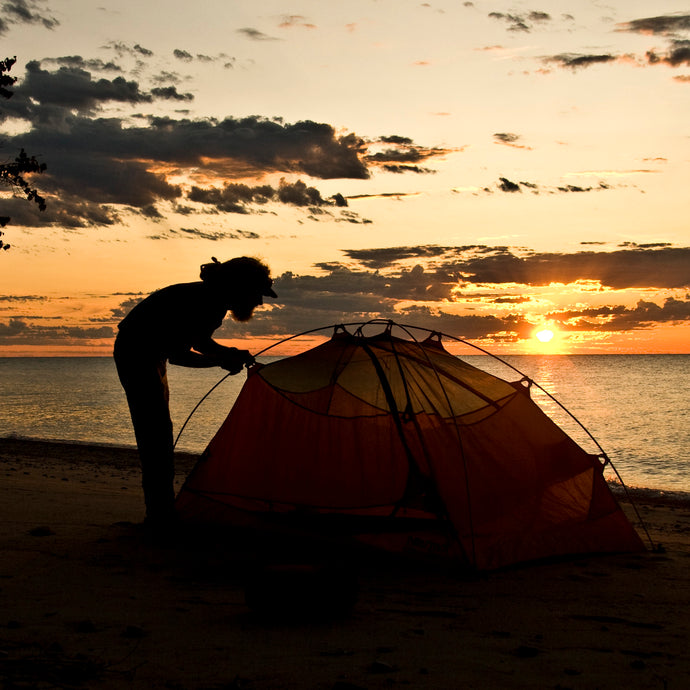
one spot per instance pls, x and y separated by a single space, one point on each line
242 313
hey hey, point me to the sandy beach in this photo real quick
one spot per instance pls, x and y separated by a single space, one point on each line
88 601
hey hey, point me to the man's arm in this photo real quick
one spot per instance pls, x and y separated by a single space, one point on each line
209 353
192 359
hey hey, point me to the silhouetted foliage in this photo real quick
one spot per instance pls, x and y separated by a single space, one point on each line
12 172
5 79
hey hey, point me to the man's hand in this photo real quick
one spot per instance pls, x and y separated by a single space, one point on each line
232 359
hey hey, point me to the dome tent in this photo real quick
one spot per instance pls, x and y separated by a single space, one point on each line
402 445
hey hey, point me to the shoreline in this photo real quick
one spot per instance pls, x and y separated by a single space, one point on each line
119 455
89 602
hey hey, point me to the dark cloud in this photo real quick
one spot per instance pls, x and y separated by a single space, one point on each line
664 25
669 26
510 139
23 12
12 328
506 137
634 267
186 56
67 211
342 295
125 307
382 195
19 332
167 77
97 164
79 62
212 235
610 319
399 169
255 34
576 61
397 139
140 50
506 185
381 286
235 198
510 300
102 179
509 328
102 160
122 49
170 93
511 187
22 298
521 22
678 54
403 155
43 93
387 257
418 285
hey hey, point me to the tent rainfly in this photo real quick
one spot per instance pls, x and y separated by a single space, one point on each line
406 447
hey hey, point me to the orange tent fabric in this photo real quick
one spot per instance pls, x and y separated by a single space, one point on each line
408 448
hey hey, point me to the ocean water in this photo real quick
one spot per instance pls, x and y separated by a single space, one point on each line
635 406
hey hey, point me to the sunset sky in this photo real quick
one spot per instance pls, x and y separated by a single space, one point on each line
489 169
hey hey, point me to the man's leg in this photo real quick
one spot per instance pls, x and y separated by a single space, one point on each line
146 386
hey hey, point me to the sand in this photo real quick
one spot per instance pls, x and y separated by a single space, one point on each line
87 600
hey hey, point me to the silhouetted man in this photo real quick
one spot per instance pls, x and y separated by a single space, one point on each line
175 325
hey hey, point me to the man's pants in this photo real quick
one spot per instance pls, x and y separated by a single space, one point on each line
146 385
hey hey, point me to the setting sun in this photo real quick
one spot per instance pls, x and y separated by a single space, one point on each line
544 336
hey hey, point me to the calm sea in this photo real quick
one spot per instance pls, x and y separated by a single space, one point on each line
635 406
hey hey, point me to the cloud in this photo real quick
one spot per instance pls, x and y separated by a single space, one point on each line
399 169
576 61
664 25
186 56
289 21
22 298
669 26
401 154
43 95
125 307
79 62
678 54
183 55
170 93
661 267
510 139
125 164
381 285
236 198
100 166
68 211
508 186
122 49
522 22
25 12
645 314
439 288
256 35
212 235
382 195
19 332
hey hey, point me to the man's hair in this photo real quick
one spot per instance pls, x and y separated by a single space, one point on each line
240 273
